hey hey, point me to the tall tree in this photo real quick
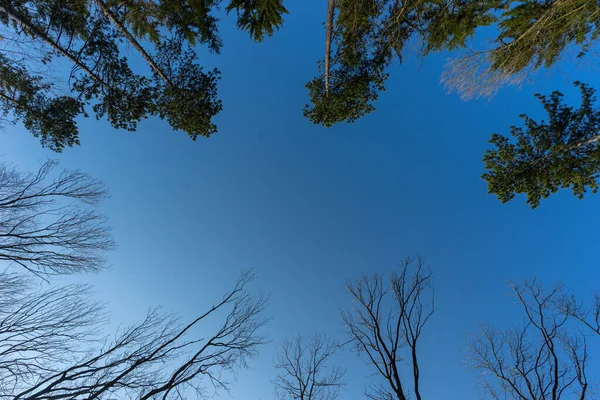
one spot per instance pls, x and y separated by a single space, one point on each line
304 373
386 325
544 358
89 35
50 347
48 222
351 77
562 152
364 37
531 35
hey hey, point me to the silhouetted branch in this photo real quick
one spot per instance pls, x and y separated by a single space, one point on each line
388 331
542 359
45 224
47 347
587 314
40 331
304 374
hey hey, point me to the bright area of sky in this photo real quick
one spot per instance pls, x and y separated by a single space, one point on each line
308 208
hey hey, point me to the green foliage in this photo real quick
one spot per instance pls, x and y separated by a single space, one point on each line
119 94
451 25
258 17
192 101
530 34
370 34
188 19
535 33
52 119
90 35
350 97
358 73
562 152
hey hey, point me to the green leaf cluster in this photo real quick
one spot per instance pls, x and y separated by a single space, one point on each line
49 118
358 73
535 34
542 157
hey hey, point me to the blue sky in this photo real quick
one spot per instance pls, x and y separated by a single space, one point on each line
308 208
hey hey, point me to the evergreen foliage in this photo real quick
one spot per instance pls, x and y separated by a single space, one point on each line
562 152
369 35
91 35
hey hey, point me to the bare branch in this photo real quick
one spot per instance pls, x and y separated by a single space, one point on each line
304 373
587 314
42 331
48 225
541 359
155 359
387 331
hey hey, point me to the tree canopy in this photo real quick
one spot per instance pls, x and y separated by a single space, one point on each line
562 152
363 39
90 36
530 35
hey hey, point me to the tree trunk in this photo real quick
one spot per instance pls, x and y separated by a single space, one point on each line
416 371
328 35
113 18
5 7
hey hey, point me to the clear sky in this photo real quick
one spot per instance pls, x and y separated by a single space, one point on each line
308 208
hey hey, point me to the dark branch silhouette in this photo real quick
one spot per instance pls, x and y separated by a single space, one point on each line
49 225
544 358
586 313
49 348
42 330
304 374
386 324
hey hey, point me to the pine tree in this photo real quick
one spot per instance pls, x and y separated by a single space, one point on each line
354 75
90 36
531 35
364 37
562 152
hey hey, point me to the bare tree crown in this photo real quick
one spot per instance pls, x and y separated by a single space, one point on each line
49 225
386 324
304 373
544 358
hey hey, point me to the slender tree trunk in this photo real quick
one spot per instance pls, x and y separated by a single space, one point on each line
416 371
328 35
113 18
6 7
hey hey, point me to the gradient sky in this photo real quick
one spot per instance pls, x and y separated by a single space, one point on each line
308 208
